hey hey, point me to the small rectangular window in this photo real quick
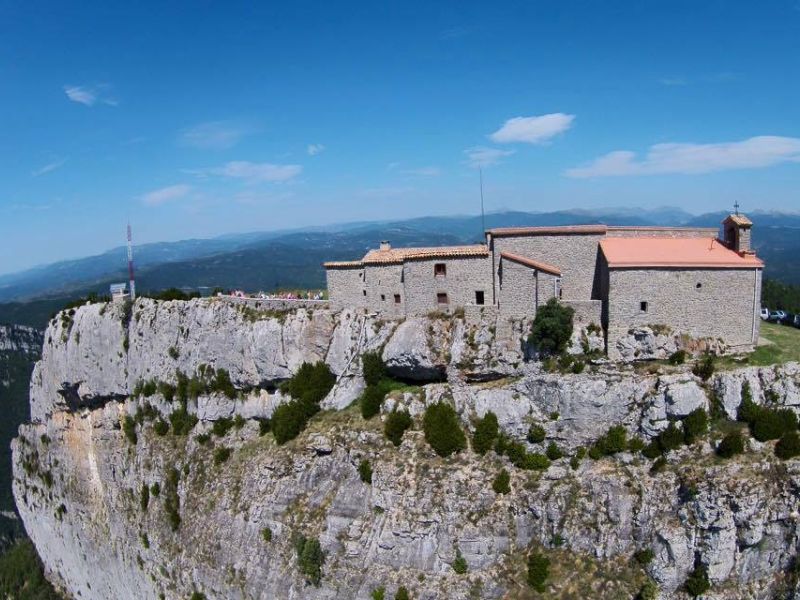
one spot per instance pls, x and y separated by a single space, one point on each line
643 306
364 292
397 298
479 297
440 269
383 297
441 298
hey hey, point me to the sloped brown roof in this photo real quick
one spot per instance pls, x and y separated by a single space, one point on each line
700 253
562 229
399 255
529 262
739 220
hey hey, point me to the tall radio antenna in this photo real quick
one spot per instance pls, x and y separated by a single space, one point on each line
130 264
483 216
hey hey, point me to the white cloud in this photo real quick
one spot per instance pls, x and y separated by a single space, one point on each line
56 164
251 172
532 130
314 149
424 171
90 95
165 194
752 153
215 135
481 156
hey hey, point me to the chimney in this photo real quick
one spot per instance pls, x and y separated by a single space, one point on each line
385 246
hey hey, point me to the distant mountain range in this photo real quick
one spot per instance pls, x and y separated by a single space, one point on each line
293 259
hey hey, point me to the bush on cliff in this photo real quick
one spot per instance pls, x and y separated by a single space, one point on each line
765 423
788 446
442 429
695 424
538 571
397 422
697 583
615 440
310 558
705 367
502 483
129 429
536 434
373 368
289 419
552 328
311 383
731 445
372 397
182 421
486 430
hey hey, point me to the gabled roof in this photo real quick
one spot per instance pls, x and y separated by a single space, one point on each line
699 253
529 262
399 255
556 230
739 220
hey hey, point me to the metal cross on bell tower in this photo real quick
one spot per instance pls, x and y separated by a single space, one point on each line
736 207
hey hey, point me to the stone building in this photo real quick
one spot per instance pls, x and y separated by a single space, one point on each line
685 280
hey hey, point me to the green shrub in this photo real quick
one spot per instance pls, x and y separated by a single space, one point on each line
695 424
173 353
697 582
373 368
155 489
771 424
365 471
704 368
538 571
371 400
553 452
536 434
182 421
442 429
129 429
171 499
144 497
146 412
221 454
311 383
203 438
264 427
486 430
149 388
266 534
222 383
221 426
310 558
161 427
612 442
552 328
648 591
198 596
670 439
402 594
535 462
731 445
574 462
501 483
460 563
677 358
644 556
748 410
239 421
378 593
659 465
788 446
635 444
289 419
397 422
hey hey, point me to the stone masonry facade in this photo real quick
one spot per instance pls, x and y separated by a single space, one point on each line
684 280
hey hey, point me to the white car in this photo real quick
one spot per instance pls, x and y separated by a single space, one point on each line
764 314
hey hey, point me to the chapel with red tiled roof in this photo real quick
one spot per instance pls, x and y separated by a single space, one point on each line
688 280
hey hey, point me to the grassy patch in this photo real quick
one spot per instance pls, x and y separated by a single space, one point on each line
785 347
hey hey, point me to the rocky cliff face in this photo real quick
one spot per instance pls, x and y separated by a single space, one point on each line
80 475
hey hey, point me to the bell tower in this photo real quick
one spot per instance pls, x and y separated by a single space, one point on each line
737 229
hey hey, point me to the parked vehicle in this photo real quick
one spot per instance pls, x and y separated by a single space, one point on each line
796 321
775 316
764 313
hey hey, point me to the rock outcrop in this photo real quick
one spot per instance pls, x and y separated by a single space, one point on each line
222 514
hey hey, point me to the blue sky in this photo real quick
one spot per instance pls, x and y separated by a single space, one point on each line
201 118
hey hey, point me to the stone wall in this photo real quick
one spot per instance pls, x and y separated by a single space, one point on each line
586 312
703 303
346 287
382 282
574 254
464 277
279 304
522 289
661 232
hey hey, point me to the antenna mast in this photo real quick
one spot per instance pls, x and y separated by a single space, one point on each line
483 216
130 264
